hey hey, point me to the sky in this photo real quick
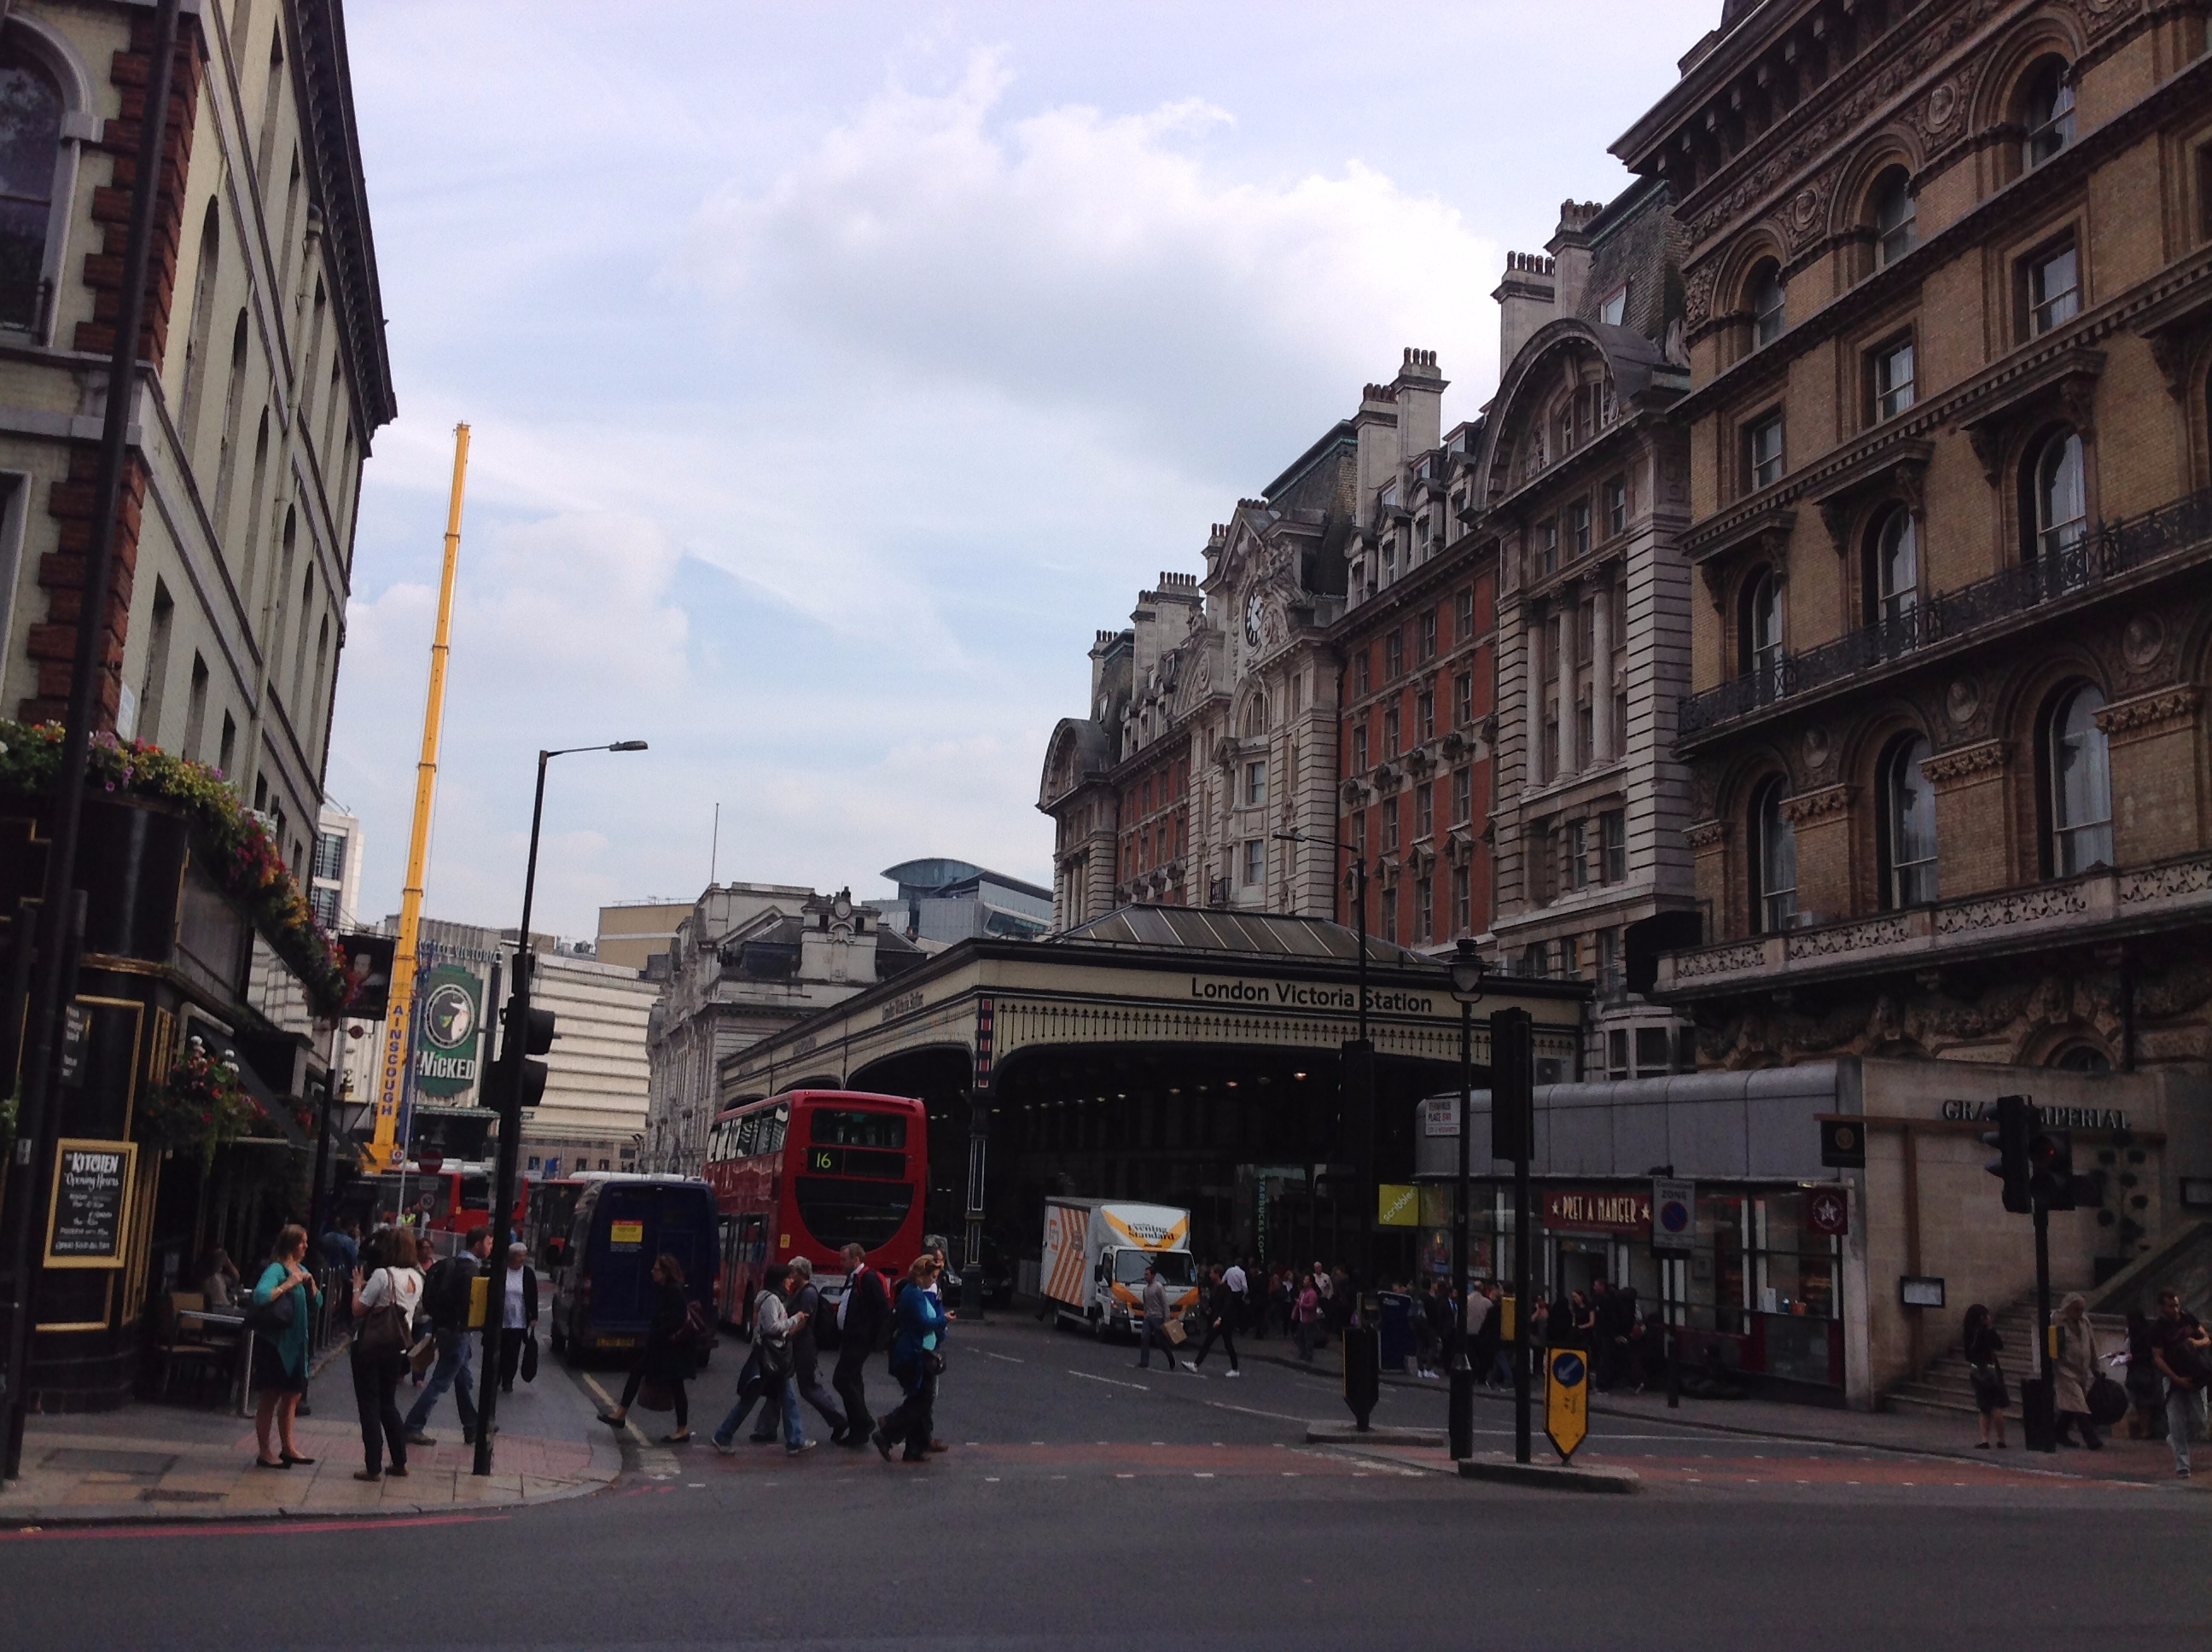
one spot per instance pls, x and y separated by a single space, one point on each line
836 372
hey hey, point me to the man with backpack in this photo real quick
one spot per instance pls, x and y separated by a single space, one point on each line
446 1297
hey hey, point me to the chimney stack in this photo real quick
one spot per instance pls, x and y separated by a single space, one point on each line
1527 299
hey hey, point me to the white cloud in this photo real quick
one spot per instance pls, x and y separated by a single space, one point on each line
1074 259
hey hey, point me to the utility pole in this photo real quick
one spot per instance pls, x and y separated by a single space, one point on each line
54 986
1512 1137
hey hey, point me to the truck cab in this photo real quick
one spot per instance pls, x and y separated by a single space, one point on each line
1118 1285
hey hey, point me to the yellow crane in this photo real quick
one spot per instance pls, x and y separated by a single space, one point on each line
386 1150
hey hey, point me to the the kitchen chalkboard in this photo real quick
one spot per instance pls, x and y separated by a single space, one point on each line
86 1225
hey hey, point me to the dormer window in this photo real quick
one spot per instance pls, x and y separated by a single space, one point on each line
1896 220
1614 311
2048 113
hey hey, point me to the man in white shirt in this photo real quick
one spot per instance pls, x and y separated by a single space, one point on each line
1234 1278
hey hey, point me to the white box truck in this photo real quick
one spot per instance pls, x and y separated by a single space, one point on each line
1096 1251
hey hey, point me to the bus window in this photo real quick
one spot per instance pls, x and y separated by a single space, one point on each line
748 1127
839 1211
838 1127
476 1192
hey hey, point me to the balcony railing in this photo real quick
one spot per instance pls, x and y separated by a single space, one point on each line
2112 549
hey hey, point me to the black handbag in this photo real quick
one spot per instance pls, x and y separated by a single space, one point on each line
2108 1400
529 1356
273 1317
1990 1391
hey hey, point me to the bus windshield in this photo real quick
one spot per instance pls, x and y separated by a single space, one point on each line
1174 1266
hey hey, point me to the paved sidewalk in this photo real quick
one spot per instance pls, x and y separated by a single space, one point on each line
2139 1461
171 1462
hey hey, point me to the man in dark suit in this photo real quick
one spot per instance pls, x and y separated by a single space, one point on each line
863 1313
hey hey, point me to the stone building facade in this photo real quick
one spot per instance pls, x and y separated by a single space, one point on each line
748 960
1579 490
1205 772
262 376
1949 278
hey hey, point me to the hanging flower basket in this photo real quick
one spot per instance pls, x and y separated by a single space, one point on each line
244 863
200 1107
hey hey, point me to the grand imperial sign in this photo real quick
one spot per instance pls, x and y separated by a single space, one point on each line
1151 975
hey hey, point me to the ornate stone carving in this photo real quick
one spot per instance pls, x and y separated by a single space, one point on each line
1706 833
2025 906
1732 960
2143 641
1808 806
1698 294
1831 939
2165 882
1820 750
2163 711
1987 758
1962 700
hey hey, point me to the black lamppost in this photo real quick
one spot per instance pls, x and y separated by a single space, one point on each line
1467 972
510 1114
1361 1066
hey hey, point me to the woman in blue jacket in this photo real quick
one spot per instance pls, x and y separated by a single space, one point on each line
917 1359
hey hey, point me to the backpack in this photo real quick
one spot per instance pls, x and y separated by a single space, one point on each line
445 1293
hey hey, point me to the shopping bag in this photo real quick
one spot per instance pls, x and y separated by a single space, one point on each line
1178 1333
655 1395
530 1356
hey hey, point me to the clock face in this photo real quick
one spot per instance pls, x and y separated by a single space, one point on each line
1254 610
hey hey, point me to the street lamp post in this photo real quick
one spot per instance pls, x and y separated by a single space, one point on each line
1467 973
1364 1063
510 1117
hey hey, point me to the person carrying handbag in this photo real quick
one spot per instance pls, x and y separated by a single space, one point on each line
281 1315
2074 1373
384 1307
917 1360
669 1353
1981 1345
774 1327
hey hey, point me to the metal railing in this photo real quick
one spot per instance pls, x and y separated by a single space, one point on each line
2112 549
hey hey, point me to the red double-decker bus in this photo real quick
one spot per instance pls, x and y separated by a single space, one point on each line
807 1172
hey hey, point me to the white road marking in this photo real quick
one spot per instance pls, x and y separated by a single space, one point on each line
1276 1416
1009 1359
1110 1381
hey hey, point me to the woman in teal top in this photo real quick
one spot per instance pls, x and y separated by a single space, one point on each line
280 1357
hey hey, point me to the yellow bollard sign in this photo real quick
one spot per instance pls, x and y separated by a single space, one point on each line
1566 1400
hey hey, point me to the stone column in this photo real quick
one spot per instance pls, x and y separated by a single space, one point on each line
1601 752
1569 759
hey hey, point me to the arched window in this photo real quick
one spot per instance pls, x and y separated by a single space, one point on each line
2047 110
30 146
1773 860
1255 717
1758 628
1896 226
1892 573
1908 825
2081 1058
2081 768
203 316
2061 499
1768 303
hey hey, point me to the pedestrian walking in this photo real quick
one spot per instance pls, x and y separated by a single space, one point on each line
2146 1388
2073 1372
1152 1328
1220 1312
1305 1313
804 1303
394 1289
283 1303
1240 1290
1983 1346
667 1355
1433 1327
447 1294
939 1284
775 1327
864 1313
917 1360
2182 1353
517 1315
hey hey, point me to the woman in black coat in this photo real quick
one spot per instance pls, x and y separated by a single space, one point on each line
1982 1344
668 1354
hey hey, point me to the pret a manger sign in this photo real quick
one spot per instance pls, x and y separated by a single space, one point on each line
1604 1210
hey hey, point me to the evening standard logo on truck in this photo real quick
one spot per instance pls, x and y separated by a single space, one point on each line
1096 1250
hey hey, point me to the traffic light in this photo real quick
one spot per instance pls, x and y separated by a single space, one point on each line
2010 1140
520 1043
1512 1085
2051 1169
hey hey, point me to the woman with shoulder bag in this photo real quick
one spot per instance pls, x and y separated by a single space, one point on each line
917 1360
2074 1373
774 1369
281 1314
667 1355
1983 1344
384 1327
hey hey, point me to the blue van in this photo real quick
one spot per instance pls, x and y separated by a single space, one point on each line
603 1291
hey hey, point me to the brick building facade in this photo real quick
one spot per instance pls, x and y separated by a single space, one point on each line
1949 316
